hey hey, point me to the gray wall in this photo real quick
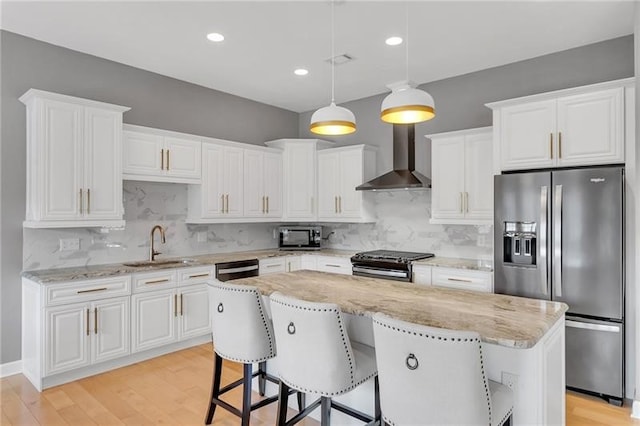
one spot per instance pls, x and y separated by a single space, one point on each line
155 101
460 100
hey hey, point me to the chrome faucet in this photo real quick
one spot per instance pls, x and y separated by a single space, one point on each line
152 251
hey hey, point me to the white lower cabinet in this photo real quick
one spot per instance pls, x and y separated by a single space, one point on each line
463 279
421 274
85 333
334 264
161 317
294 263
272 265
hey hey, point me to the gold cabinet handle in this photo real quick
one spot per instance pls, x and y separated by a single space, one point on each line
551 145
222 203
91 290
559 144
264 204
81 202
168 157
466 201
181 305
226 202
88 201
162 159
459 280
95 320
267 204
335 204
175 305
165 280
339 203
289 267
461 203
88 326
199 275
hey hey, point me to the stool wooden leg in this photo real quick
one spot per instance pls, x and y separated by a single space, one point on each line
302 400
325 411
215 388
283 401
376 395
262 378
246 394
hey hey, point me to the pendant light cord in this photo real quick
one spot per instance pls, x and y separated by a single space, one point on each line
333 54
407 43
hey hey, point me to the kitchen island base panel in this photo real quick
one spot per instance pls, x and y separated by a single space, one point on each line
537 376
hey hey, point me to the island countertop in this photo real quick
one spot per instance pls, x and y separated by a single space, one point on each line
509 321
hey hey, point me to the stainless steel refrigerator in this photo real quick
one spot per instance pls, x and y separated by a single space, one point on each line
559 235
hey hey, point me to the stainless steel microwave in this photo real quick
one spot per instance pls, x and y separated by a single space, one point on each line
300 237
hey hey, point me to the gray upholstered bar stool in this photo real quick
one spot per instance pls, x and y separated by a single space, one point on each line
315 355
242 332
433 376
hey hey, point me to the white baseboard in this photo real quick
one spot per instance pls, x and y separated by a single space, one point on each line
10 368
635 409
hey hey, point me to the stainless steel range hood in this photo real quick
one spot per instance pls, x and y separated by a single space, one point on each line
403 175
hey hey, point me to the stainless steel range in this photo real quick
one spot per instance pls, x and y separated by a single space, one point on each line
388 264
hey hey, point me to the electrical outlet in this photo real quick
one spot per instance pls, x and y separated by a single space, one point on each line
510 380
69 244
201 236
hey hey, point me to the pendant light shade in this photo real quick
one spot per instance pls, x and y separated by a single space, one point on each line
332 120
405 105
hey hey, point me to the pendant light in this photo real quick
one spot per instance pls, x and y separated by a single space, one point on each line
333 120
406 104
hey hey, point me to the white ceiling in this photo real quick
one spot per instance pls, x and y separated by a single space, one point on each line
266 40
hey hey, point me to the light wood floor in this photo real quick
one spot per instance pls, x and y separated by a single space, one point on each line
174 390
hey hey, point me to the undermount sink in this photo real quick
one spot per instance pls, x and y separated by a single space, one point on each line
143 263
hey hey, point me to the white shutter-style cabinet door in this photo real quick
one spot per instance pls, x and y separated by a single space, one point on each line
194 311
233 182
351 175
527 135
447 168
102 164
110 329
212 181
478 160
61 155
153 319
273 183
182 157
591 128
143 154
328 184
67 339
254 184
300 163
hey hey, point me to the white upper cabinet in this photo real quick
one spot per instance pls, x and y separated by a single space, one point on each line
340 170
462 177
262 183
574 127
161 156
74 169
300 176
220 196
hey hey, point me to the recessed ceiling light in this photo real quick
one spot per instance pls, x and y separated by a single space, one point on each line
301 71
217 37
393 41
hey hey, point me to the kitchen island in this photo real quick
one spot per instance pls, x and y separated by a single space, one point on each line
523 338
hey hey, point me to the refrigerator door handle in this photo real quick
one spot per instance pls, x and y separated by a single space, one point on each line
589 326
542 247
557 241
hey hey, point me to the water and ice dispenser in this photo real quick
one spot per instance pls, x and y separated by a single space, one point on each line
519 243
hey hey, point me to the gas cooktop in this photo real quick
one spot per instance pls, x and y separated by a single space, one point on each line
391 256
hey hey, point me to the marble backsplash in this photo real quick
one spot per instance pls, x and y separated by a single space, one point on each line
403 224
145 204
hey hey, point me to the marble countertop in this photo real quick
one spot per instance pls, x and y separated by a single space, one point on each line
513 322
450 262
46 276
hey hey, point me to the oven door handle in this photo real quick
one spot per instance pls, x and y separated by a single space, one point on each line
236 270
381 272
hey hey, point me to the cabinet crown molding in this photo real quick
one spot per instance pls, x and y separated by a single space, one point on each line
280 143
32 94
462 132
625 82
